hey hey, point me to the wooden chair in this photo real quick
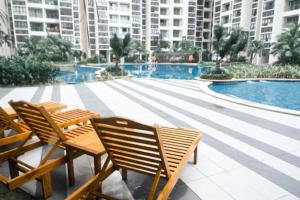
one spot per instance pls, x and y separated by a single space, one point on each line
6 122
157 151
42 125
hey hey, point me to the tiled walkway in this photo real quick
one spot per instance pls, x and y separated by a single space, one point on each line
246 153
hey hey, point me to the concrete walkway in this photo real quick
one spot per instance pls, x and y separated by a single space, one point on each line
246 153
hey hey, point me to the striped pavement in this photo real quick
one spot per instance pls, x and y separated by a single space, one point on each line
246 153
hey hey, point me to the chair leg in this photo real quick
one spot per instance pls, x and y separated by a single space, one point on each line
196 155
97 168
155 184
70 166
124 174
12 168
46 186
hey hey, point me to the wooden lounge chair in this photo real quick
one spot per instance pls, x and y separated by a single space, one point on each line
157 151
44 126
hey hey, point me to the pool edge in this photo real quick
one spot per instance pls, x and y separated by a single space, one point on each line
204 86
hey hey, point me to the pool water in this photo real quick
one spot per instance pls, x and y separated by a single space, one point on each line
284 94
164 71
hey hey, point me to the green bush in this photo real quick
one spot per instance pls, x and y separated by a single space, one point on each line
96 58
26 70
264 71
216 75
116 71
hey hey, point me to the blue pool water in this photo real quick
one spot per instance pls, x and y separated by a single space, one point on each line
163 71
284 94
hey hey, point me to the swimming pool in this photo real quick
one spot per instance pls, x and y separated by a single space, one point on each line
284 94
80 74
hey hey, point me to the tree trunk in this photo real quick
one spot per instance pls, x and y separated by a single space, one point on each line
218 65
251 58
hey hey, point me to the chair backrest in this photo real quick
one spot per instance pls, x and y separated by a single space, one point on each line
6 121
39 121
131 145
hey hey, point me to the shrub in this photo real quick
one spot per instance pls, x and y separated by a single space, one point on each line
22 70
216 75
116 71
264 71
96 58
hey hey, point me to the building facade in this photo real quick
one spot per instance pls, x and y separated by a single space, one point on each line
41 17
265 20
5 49
89 24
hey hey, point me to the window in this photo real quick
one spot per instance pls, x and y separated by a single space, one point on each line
113 18
51 2
124 7
53 28
177 11
52 14
21 38
20 24
163 22
19 10
163 1
113 6
125 19
35 12
177 1
176 33
35 26
163 11
66 25
34 1
176 22
65 11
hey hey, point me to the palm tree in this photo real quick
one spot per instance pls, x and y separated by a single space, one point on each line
239 40
120 47
287 47
254 47
138 47
160 43
220 46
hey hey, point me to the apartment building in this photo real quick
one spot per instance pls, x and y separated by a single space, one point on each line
41 17
89 24
265 20
5 49
177 20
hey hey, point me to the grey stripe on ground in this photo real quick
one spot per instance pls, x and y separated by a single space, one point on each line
56 93
5 91
281 154
288 183
38 94
91 100
264 123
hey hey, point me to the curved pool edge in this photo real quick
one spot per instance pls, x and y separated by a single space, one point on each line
204 86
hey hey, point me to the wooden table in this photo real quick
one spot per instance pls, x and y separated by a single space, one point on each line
50 106
83 140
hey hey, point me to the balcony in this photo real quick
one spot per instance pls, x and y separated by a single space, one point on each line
293 5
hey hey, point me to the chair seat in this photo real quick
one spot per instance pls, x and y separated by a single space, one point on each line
177 142
86 139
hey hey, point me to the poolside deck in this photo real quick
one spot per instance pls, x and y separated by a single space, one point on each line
246 153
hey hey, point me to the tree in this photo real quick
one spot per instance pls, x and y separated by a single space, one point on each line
254 47
228 44
160 43
220 46
120 47
287 47
239 40
52 48
138 47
